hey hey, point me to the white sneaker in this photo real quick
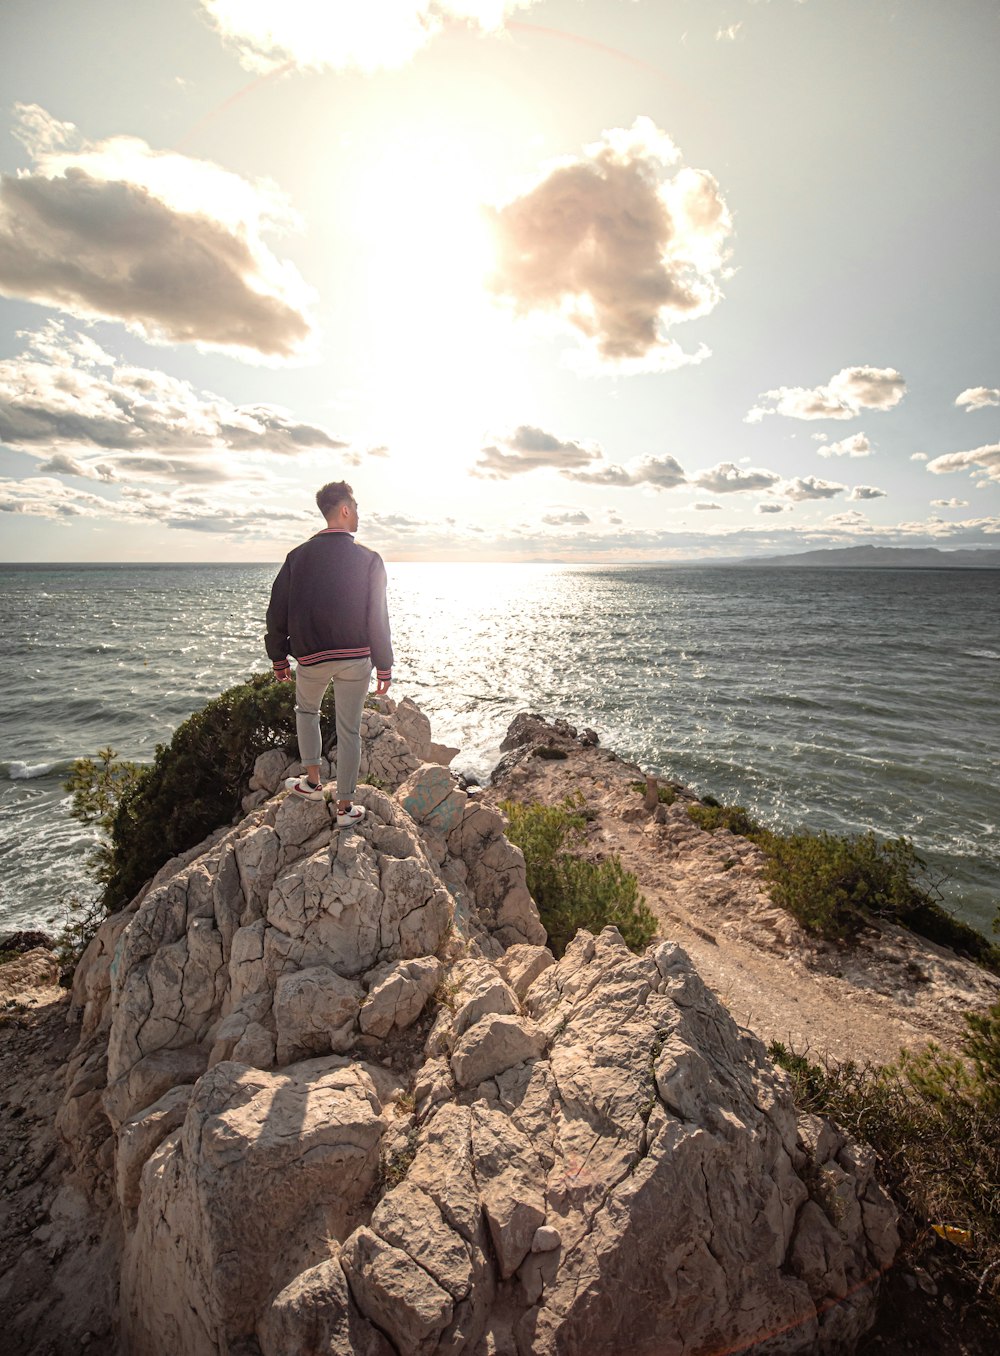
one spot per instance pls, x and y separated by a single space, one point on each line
352 815
304 789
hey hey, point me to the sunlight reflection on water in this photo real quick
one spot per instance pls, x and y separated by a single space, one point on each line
847 699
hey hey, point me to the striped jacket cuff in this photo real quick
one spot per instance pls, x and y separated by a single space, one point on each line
281 666
383 675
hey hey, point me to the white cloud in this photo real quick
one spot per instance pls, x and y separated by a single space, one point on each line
857 445
866 492
342 34
918 456
617 247
981 459
801 488
570 518
66 400
43 497
728 34
727 478
768 506
169 245
663 473
844 396
850 521
531 449
978 398
949 503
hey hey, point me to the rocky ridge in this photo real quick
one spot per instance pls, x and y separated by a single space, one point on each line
332 1094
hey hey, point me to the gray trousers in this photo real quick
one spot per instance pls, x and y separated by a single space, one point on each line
350 678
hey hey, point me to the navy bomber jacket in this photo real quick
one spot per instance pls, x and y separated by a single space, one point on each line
328 602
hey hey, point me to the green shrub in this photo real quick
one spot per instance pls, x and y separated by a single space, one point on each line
711 816
571 892
193 786
932 1119
834 886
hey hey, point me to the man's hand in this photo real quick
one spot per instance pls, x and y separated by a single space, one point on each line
382 687
284 677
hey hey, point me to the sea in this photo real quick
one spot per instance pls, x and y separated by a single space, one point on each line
834 699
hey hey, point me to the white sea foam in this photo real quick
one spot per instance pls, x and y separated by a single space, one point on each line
25 772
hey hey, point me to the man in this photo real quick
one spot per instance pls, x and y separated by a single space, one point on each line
328 609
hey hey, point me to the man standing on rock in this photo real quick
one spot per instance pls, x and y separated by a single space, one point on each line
328 609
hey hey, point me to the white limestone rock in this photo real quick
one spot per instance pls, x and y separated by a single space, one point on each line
265 1169
315 1013
270 771
315 1316
521 965
494 1044
398 996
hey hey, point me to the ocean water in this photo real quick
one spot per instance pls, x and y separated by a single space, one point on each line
838 699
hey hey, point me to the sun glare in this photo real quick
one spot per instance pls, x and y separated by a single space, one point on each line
426 250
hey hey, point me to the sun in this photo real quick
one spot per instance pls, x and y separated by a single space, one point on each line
425 251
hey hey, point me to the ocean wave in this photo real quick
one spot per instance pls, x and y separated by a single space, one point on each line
17 771
982 654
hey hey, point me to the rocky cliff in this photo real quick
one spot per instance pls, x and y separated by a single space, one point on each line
335 1096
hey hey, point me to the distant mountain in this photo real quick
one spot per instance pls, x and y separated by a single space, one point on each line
888 557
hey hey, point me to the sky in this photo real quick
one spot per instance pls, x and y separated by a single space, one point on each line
572 280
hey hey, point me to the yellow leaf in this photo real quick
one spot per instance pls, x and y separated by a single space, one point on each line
960 1237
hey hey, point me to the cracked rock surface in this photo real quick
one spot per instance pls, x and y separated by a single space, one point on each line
338 1097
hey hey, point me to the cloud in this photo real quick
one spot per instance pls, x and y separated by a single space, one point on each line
866 492
333 35
617 247
801 488
43 497
857 445
845 395
531 449
727 478
769 507
978 398
61 463
237 515
169 245
850 521
706 508
728 34
981 459
68 401
949 503
918 456
663 473
568 519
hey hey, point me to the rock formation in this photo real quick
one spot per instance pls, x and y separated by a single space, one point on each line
342 1099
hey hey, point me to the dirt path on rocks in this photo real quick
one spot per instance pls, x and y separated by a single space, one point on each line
893 990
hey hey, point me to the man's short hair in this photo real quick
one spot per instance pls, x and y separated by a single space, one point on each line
332 495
